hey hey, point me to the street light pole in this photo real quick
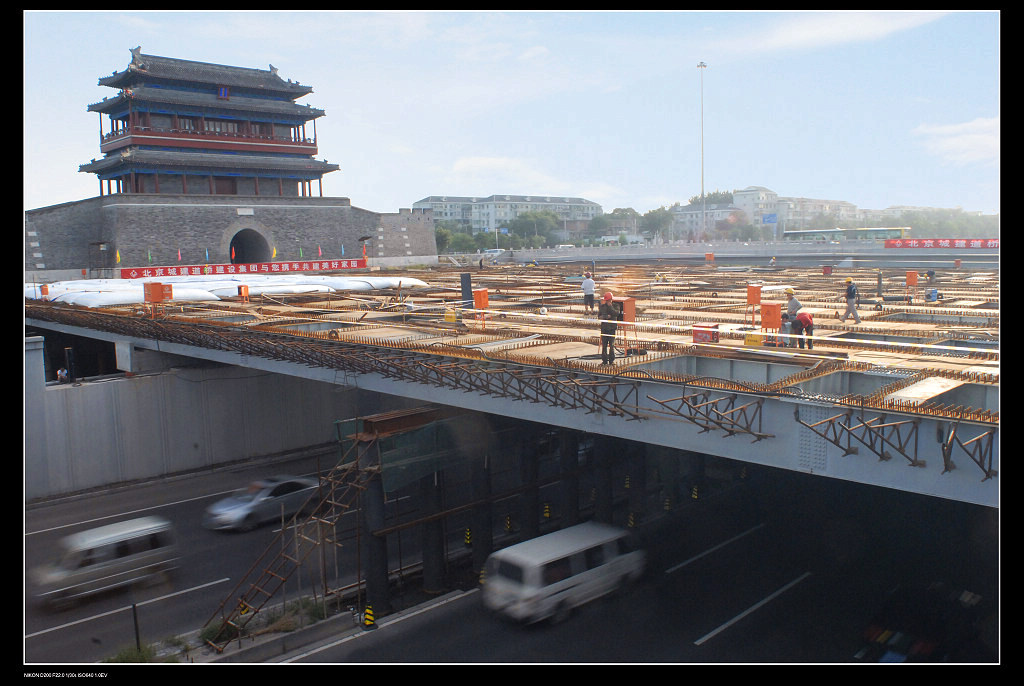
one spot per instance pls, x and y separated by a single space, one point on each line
703 202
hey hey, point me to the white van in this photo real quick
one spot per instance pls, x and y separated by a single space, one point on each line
107 557
546 577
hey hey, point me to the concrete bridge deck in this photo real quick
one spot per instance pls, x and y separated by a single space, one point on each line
908 398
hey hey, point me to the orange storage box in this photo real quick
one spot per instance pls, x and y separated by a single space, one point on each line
705 333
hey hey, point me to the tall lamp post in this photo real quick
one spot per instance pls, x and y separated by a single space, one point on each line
703 202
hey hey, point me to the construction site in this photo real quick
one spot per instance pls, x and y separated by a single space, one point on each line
702 357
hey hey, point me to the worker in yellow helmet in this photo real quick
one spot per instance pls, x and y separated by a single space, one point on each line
851 301
792 305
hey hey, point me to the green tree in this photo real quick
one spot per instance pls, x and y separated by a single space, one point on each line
599 226
442 239
461 242
657 223
536 229
713 198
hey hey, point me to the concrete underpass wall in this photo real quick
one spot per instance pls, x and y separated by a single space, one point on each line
120 429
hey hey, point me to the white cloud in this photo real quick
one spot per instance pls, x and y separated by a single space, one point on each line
534 52
971 142
494 175
497 174
827 30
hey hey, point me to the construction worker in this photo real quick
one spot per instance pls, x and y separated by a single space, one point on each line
609 315
792 305
851 301
785 339
588 287
803 324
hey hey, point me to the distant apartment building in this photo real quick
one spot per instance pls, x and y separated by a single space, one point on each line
798 213
497 211
760 206
689 222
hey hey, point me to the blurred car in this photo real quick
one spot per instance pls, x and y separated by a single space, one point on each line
261 501
106 558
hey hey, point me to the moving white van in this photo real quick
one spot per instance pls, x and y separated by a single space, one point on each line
107 557
546 577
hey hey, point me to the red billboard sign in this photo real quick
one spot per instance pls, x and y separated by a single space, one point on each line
261 268
990 243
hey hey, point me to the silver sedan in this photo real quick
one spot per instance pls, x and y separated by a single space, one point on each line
261 501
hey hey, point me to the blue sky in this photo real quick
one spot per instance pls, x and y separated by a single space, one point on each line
874 108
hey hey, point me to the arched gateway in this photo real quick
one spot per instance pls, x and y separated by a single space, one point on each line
249 246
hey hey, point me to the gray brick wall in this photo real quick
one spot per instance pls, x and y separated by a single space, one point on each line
144 226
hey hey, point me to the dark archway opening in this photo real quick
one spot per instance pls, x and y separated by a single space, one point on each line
249 246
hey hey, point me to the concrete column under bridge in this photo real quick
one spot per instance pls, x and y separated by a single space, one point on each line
483 533
375 550
695 464
568 463
525 447
432 533
604 456
635 459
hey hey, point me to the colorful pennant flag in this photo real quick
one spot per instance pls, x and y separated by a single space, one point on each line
274 256
117 255
179 254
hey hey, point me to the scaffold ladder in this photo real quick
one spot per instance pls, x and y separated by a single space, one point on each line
337 493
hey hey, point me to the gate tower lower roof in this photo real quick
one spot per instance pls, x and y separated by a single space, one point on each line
185 100
148 160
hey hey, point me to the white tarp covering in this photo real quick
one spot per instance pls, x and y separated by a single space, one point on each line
106 292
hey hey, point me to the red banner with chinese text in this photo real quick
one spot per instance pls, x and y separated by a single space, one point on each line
261 268
991 243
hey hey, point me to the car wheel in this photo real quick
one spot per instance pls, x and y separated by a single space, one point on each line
248 524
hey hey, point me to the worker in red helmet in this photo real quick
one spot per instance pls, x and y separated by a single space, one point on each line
609 314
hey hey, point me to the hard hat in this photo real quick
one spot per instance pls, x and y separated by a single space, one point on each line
849 279
790 291
607 296
587 274
543 310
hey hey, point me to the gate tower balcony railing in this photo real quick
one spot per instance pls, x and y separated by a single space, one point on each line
186 138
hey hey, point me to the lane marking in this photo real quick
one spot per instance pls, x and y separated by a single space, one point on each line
127 607
711 550
751 609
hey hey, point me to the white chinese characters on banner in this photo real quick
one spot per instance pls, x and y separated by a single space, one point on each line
239 269
989 243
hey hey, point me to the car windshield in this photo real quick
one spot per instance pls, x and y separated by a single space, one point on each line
247 494
68 559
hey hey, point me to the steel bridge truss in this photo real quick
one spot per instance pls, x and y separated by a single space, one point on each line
979 449
718 413
880 436
874 433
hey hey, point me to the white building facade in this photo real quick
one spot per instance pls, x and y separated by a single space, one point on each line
690 222
498 211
